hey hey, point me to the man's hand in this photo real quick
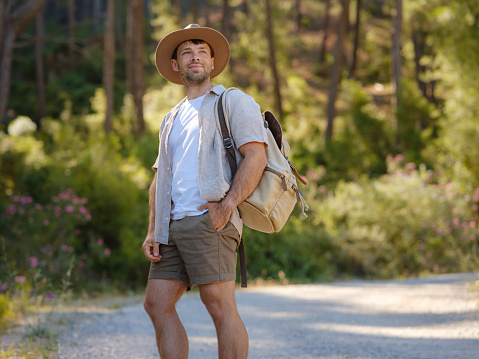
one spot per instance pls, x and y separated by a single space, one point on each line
151 249
244 182
219 213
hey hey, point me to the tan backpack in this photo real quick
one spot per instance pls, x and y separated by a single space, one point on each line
269 206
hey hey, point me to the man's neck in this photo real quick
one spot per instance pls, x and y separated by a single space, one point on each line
195 91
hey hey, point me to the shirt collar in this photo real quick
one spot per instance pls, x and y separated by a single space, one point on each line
218 89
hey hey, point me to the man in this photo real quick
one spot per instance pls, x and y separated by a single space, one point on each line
195 226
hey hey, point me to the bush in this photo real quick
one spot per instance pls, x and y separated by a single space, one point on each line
402 224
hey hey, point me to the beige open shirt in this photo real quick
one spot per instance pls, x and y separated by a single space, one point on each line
214 173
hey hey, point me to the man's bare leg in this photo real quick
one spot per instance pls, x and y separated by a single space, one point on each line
219 299
160 300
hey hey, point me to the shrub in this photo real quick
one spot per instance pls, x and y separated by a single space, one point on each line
402 224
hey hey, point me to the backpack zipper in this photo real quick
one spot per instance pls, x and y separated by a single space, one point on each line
280 175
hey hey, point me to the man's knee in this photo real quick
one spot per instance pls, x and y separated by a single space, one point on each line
217 301
162 296
150 306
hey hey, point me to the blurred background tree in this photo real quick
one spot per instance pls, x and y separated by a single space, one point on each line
393 188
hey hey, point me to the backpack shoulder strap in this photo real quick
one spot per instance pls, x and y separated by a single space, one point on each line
223 125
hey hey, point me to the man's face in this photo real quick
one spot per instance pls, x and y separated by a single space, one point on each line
194 62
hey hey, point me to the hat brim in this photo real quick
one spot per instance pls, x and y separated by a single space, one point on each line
167 45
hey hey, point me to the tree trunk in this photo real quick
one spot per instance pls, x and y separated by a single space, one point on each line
39 66
137 67
207 12
97 20
272 61
129 47
3 21
194 11
245 7
336 70
419 45
322 51
71 34
297 14
177 11
226 20
109 63
357 29
396 66
13 24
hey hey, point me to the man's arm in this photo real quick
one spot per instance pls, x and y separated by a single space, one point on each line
150 247
244 182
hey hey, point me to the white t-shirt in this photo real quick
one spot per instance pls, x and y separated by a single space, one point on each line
183 144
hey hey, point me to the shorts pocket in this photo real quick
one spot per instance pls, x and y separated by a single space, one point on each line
209 222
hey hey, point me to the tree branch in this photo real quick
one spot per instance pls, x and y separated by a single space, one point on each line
24 14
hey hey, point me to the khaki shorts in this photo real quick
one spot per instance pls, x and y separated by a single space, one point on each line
197 253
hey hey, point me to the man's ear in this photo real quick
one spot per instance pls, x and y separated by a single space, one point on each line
212 63
174 65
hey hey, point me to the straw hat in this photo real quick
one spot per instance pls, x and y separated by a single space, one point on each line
169 43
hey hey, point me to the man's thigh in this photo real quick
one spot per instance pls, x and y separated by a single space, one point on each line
221 294
163 294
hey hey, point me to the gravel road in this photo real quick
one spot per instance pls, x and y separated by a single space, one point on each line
433 318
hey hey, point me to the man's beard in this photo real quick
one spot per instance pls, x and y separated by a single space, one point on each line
195 78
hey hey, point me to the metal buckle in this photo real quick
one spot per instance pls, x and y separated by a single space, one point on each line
227 142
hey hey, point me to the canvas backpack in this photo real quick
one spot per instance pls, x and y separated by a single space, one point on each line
269 206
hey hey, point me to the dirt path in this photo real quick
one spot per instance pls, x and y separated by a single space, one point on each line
433 318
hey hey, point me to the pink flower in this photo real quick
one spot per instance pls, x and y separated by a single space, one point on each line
472 237
11 209
107 251
472 224
3 288
20 279
410 165
50 296
70 209
46 222
99 242
475 195
77 232
33 262
88 217
456 222
475 208
64 248
26 200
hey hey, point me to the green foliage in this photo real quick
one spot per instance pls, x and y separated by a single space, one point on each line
417 120
371 214
80 159
402 224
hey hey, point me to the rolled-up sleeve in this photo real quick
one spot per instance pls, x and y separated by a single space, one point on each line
155 165
246 122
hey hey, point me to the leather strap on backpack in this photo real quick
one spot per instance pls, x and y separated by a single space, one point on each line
231 156
226 135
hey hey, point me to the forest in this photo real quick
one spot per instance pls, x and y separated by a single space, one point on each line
378 100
